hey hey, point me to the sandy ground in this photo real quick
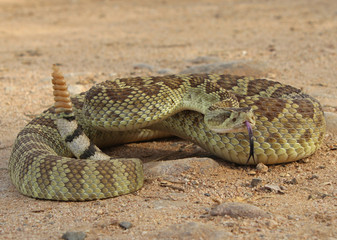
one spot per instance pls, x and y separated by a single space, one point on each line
295 41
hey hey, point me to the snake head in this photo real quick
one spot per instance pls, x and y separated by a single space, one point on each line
229 120
232 120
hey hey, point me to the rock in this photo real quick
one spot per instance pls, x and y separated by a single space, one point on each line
260 167
229 224
144 66
165 71
293 217
314 176
192 230
176 167
331 122
242 67
74 236
271 223
318 195
293 181
100 211
125 225
237 209
274 188
255 182
284 174
251 172
204 59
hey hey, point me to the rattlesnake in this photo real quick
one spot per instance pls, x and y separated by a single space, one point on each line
287 125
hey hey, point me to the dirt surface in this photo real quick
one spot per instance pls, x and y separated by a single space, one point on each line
294 40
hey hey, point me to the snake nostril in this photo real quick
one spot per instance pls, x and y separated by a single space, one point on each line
234 119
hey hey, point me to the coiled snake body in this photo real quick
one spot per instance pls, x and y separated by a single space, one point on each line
287 125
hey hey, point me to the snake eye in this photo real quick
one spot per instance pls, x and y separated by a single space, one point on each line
226 115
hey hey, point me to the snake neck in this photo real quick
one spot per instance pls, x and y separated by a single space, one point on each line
221 110
198 100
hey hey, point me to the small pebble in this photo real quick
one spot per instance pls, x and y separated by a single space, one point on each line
317 195
305 160
293 181
255 182
284 174
125 225
165 71
74 236
314 176
273 187
143 66
229 224
271 223
204 59
293 217
261 168
100 211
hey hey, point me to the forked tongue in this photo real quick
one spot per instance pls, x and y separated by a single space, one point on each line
251 141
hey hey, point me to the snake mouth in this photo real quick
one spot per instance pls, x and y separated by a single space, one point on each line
242 127
235 129
251 141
